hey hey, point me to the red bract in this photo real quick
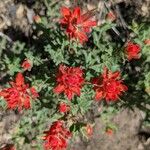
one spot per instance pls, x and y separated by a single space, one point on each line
37 19
76 24
89 130
26 65
109 131
147 41
34 92
132 51
108 86
57 136
19 94
111 16
63 107
70 81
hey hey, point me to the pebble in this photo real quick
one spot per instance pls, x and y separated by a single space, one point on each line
20 12
140 147
30 14
2 22
12 11
145 10
67 2
90 6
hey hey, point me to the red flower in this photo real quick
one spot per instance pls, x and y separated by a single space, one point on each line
109 131
89 130
34 92
76 24
26 65
108 86
57 136
132 50
111 16
147 41
63 107
19 94
70 81
37 19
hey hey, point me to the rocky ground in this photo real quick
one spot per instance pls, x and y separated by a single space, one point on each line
130 134
16 24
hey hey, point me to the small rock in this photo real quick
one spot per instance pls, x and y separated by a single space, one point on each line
143 114
145 9
8 22
20 12
2 128
90 6
147 143
140 147
2 22
67 2
30 14
12 11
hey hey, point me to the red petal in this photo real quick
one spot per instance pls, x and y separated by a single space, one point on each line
26 65
77 12
81 36
69 94
111 16
58 89
34 92
147 41
89 23
62 68
63 22
65 11
19 79
98 95
105 72
76 90
26 102
123 88
115 75
4 93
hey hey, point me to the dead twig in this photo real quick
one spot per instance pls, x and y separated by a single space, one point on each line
124 25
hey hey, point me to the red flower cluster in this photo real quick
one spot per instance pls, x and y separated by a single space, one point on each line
63 108
76 24
19 94
70 81
26 65
132 50
108 86
57 136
